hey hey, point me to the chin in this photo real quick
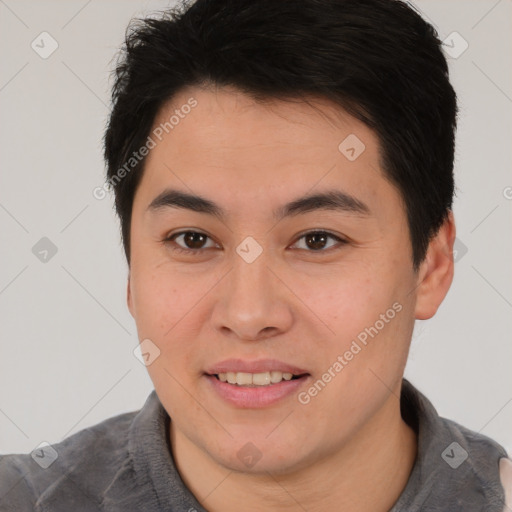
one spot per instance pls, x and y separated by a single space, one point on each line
257 454
268 463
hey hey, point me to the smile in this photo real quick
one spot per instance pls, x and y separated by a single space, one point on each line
255 379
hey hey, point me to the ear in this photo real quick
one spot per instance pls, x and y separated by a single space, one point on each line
435 274
129 296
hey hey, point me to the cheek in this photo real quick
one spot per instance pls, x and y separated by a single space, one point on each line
348 301
160 300
161 308
169 310
369 314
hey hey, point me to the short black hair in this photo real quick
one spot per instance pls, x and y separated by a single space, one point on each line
379 60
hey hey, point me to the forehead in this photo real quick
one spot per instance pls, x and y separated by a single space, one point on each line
228 119
247 153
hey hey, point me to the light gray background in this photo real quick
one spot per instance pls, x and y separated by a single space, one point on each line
67 338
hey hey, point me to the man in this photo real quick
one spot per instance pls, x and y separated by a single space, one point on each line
283 176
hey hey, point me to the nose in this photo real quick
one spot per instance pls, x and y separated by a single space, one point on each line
252 302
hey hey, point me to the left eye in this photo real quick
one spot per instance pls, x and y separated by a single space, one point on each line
315 241
318 240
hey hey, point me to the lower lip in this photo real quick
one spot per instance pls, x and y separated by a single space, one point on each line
255 397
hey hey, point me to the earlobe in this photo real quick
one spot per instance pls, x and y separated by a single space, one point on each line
436 272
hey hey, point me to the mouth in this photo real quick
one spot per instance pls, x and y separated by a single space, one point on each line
251 384
253 380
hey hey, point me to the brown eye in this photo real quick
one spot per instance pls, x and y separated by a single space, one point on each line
192 242
316 241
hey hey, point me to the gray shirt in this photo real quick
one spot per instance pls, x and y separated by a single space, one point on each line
125 464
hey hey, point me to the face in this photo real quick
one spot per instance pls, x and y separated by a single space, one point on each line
252 280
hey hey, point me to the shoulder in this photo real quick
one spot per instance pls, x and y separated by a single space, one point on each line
489 466
457 468
89 458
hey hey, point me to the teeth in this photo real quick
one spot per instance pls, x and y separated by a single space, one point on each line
276 377
254 379
242 379
261 379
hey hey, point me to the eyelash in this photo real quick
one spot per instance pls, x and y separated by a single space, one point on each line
196 252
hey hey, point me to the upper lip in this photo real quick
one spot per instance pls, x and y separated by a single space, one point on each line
255 366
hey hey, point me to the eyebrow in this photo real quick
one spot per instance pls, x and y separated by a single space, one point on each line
328 200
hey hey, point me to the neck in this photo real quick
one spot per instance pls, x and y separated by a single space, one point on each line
368 473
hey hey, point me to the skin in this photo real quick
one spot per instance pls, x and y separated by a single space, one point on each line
348 448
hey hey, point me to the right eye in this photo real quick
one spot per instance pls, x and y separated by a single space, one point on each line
190 238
